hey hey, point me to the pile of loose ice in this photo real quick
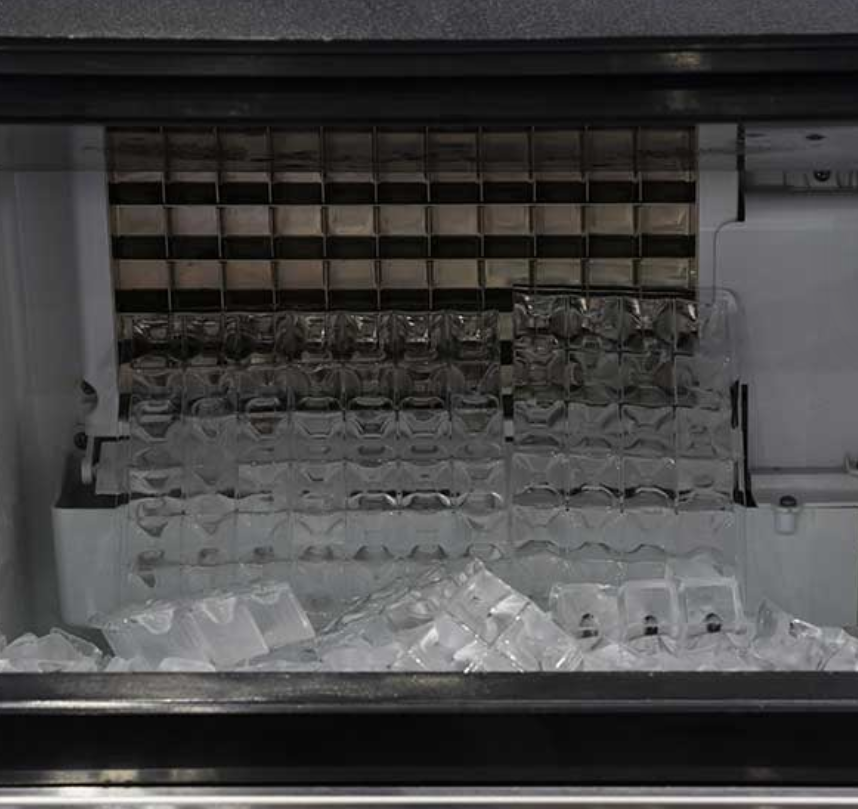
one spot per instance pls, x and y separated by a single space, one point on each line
459 617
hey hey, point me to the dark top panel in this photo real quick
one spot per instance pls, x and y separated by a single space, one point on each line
452 20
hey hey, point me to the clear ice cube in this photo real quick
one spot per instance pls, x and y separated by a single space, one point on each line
535 643
486 605
588 612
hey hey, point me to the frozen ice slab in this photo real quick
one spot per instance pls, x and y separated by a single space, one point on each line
588 612
785 643
54 652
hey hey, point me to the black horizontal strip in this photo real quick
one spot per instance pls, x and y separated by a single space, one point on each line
349 193
247 247
345 247
244 193
296 193
304 299
552 191
664 246
354 299
303 247
249 299
142 300
135 193
461 299
508 246
499 298
497 192
407 299
403 247
668 191
455 246
139 247
560 246
402 193
611 246
194 247
197 300
611 192
452 193
191 193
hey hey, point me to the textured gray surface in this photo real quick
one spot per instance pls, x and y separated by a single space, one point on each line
421 19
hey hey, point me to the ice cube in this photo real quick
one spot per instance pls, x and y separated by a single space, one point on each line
846 656
446 645
154 631
783 642
119 665
610 657
649 607
177 664
492 661
296 658
535 643
354 655
54 652
228 630
486 605
588 612
711 605
657 653
697 566
718 652
277 613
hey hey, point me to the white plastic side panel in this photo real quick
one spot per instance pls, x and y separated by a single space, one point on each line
54 235
13 603
812 573
92 252
717 195
88 554
792 264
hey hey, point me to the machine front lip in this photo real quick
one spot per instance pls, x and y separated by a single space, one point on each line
618 693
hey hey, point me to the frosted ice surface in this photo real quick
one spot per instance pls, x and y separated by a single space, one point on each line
177 664
57 651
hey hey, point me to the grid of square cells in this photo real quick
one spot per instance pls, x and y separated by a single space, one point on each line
419 219
623 415
258 439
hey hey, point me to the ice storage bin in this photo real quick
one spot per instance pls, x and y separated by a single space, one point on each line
513 375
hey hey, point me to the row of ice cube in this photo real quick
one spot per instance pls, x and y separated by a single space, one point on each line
219 629
542 374
576 320
199 339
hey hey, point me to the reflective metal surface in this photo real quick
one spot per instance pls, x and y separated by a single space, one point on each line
496 798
